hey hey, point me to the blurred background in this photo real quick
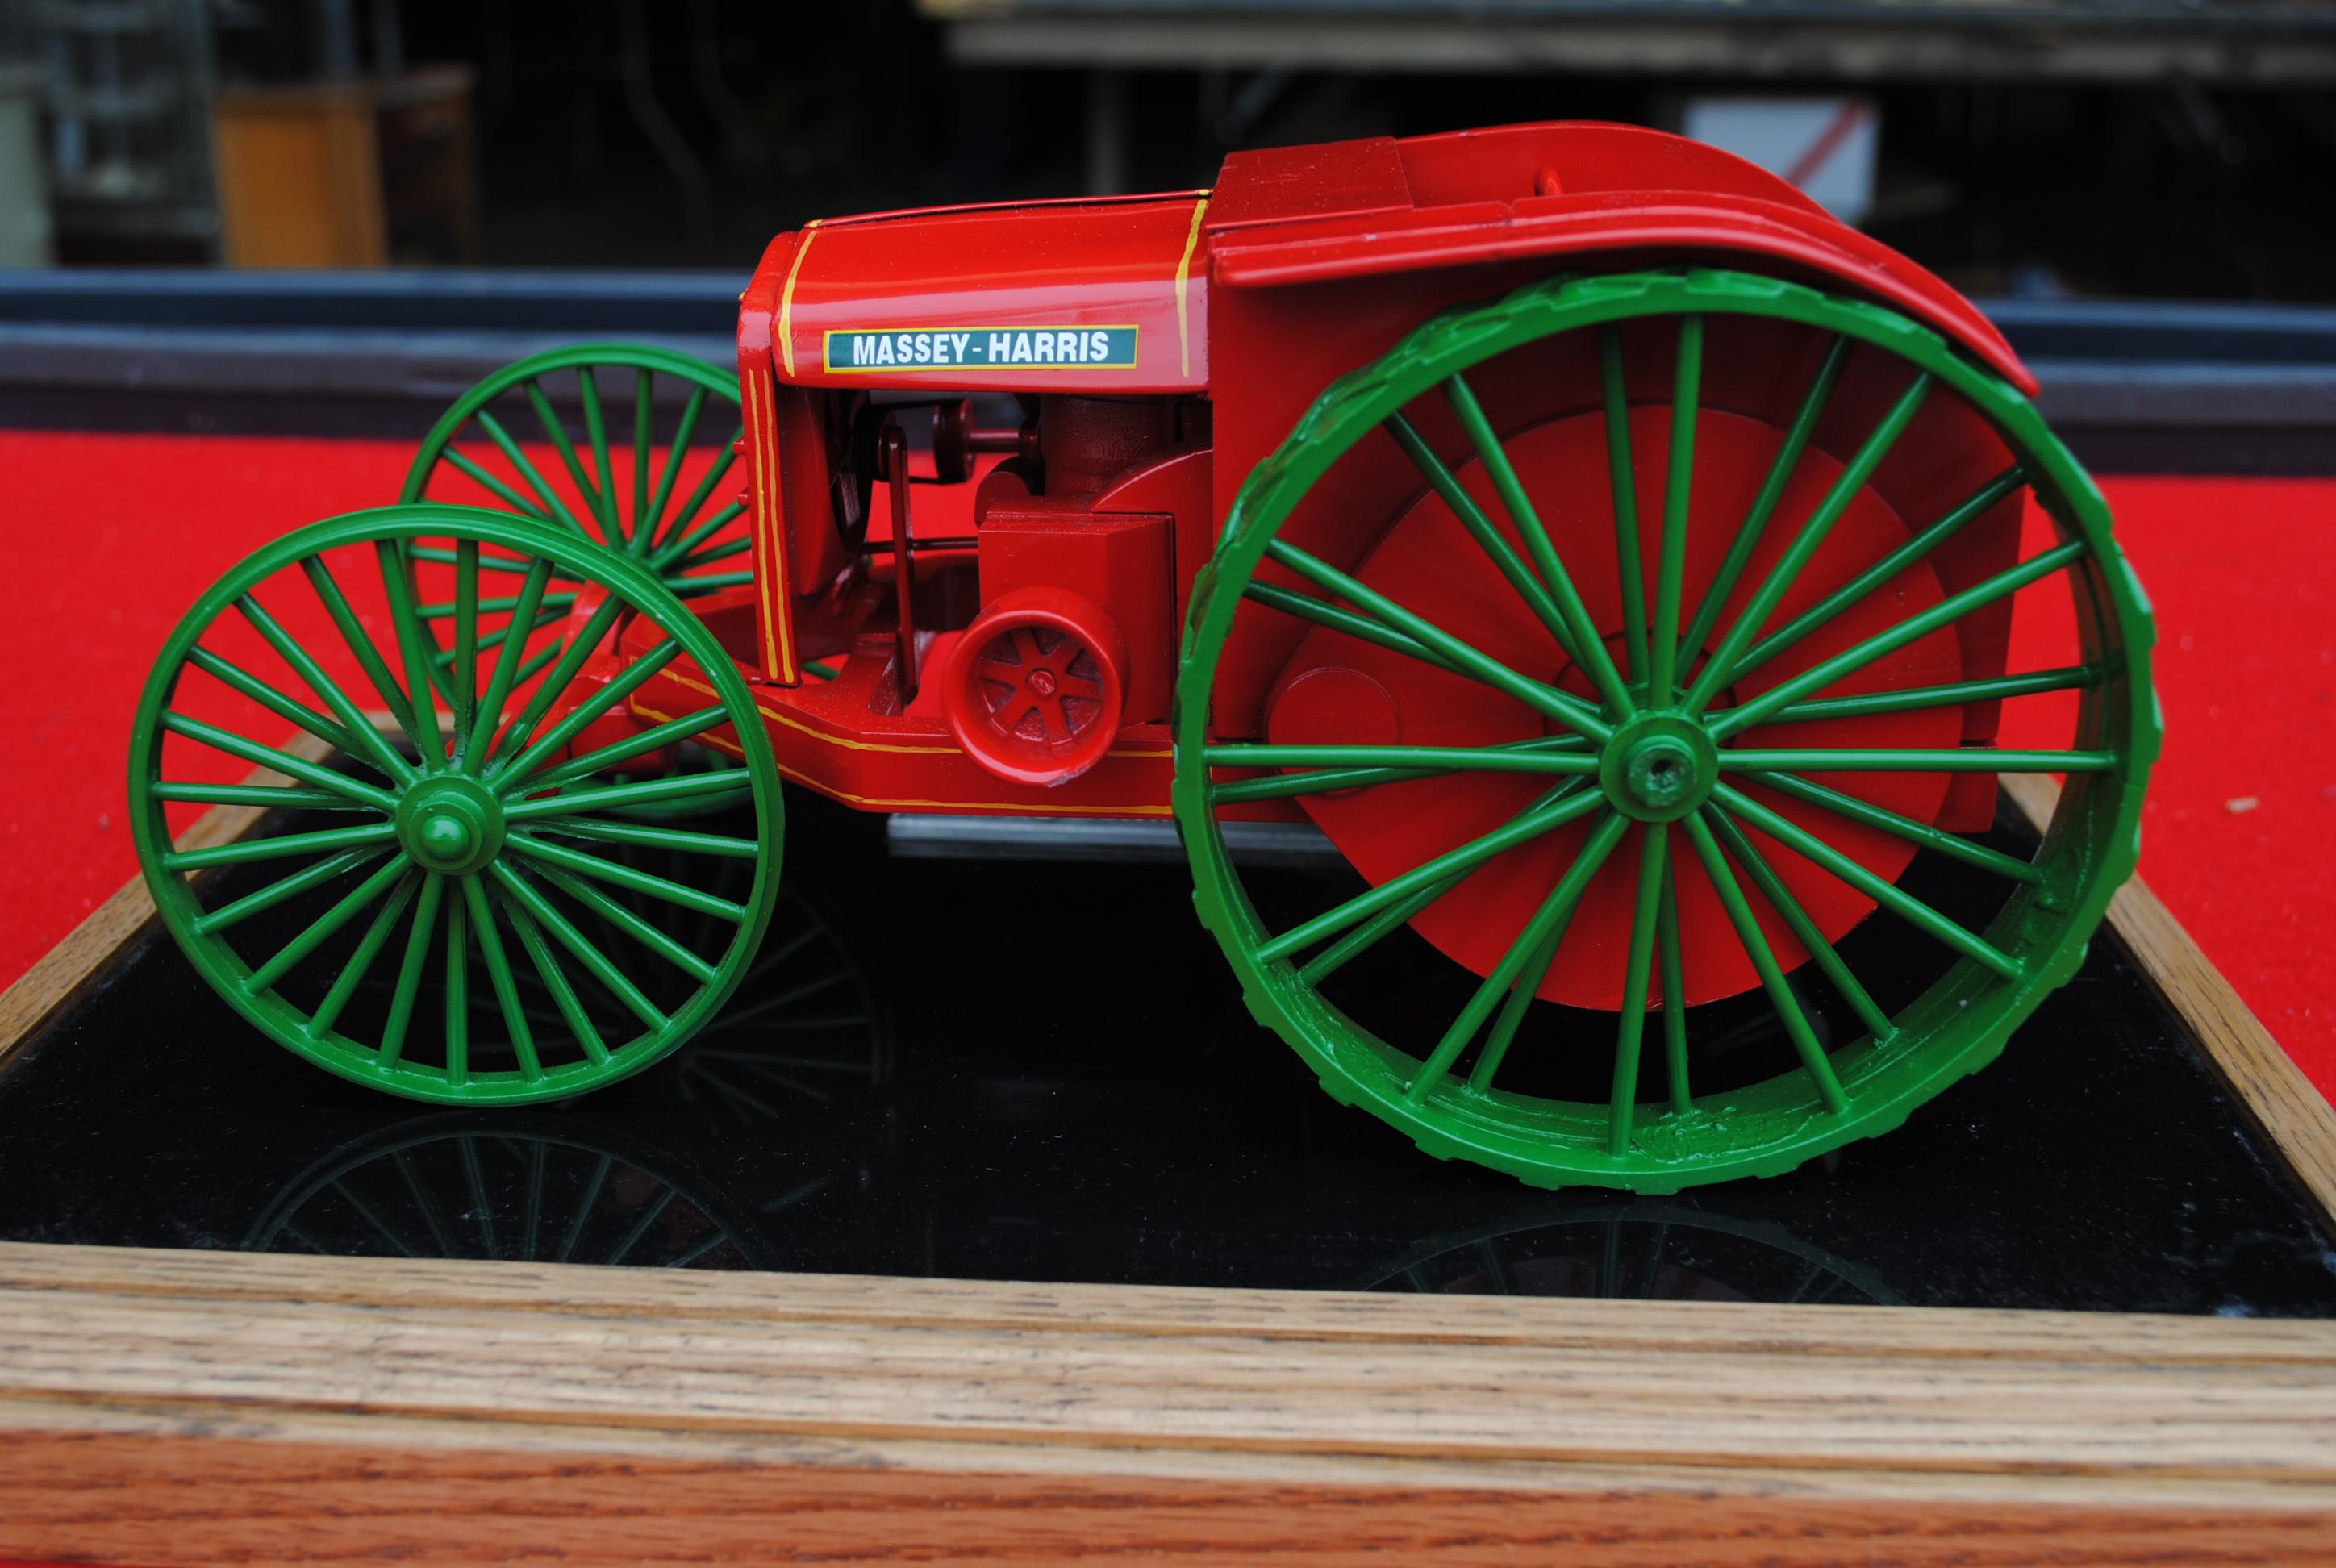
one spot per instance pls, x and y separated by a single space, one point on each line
2176 148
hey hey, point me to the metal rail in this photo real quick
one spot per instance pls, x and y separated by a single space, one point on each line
2136 386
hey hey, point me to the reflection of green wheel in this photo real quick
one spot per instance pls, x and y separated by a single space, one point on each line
1626 776
622 486
442 828
542 1190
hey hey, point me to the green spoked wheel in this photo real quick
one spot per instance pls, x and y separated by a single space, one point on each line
427 834
1636 639
584 437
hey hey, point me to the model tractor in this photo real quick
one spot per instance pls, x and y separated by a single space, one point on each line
1604 557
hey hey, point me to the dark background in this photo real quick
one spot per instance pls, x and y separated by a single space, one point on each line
2143 149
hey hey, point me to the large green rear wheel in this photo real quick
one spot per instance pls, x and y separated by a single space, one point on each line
1612 585
416 851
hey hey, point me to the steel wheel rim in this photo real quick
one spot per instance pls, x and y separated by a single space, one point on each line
690 531
467 874
1955 1026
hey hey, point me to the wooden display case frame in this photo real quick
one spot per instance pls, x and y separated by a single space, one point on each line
161 1407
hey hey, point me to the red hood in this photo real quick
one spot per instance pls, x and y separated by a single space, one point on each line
1079 289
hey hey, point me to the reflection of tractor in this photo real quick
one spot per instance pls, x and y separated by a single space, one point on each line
1612 555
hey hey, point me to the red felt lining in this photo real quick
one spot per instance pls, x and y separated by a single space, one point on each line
112 536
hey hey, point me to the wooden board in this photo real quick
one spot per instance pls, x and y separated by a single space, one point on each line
161 1407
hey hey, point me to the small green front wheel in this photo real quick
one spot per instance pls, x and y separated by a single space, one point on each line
584 438
417 857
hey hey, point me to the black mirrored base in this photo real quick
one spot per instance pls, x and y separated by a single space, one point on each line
978 1068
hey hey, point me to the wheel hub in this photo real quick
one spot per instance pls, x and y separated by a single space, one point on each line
450 825
1659 767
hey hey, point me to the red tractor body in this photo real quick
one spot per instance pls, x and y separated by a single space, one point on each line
1155 348
1609 555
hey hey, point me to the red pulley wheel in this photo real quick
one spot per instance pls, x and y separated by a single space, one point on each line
1035 686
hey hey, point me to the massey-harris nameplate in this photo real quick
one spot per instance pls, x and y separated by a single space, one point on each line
985 349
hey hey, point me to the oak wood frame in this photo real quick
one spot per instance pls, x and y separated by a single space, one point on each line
161 1407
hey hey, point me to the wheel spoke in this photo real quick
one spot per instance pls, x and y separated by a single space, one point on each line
643 395
1913 759
637 674
578 648
410 970
415 641
1527 825
1816 677
1346 620
686 513
245 852
1927 835
1670 574
462 689
660 942
1806 930
269 797
2073 677
357 900
1488 537
547 417
1881 890
1549 921
655 738
384 685
1772 978
1623 489
1629 1030
650 525
1317 780
278 703
714 524
361 962
446 609
1504 1032
517 565
536 661
588 387
506 672
458 993
1585 646
545 616
471 469
498 975
1330 959
1973 506
355 725
282 761
1568 710
1763 505
679 840
293 886
711 553
1334 957
564 931
555 980
1666 941
1722 666
629 877
709 582
649 791
557 508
